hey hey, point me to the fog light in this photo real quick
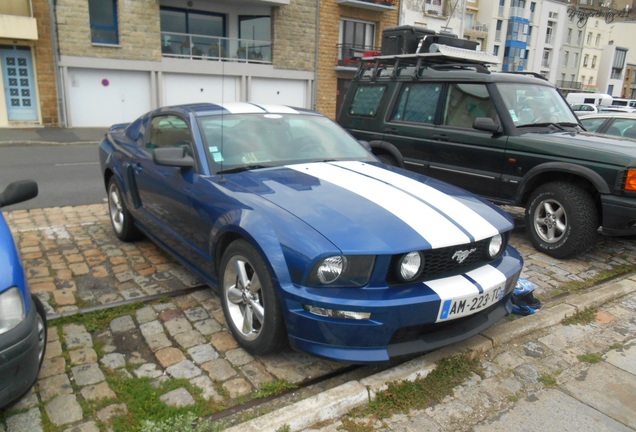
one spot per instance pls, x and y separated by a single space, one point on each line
332 313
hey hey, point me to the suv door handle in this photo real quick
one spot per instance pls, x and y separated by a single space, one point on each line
441 137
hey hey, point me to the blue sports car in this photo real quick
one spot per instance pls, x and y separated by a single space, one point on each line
306 236
22 316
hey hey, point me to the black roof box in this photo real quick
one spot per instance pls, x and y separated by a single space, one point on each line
407 39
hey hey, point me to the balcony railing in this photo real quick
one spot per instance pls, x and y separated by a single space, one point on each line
479 27
433 8
350 54
497 35
374 5
616 75
189 46
574 85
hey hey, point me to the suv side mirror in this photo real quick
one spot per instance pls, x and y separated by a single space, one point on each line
487 124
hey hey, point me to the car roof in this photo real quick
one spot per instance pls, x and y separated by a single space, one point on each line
230 108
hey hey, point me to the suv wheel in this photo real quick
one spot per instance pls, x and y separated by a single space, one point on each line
387 159
561 219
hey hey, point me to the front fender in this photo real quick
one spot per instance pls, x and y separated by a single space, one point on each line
287 245
530 180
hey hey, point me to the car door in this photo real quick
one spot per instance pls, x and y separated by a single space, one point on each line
169 196
411 124
460 154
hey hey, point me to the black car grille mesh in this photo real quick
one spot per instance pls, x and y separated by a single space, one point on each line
445 262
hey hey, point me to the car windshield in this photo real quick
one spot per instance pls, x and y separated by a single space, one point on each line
247 141
535 105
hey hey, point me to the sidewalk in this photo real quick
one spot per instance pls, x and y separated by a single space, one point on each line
51 136
521 359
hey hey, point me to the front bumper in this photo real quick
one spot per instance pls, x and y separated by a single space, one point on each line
619 215
404 320
19 362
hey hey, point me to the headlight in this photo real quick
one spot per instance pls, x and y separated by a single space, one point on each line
12 309
496 245
410 266
342 271
330 269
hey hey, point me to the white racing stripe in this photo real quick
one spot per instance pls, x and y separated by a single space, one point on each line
426 221
242 108
463 215
459 293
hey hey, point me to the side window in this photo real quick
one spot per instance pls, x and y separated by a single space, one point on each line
417 103
592 124
169 131
466 102
367 100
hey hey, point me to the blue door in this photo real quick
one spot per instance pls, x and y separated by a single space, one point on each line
19 84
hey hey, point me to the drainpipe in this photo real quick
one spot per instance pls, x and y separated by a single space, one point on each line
59 85
316 55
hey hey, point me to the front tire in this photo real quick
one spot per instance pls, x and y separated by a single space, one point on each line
249 299
41 327
120 218
562 219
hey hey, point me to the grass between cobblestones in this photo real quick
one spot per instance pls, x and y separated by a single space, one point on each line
578 285
146 412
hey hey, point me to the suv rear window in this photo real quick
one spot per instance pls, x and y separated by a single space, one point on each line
367 100
417 103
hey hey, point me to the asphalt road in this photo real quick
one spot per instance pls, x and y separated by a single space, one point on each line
67 175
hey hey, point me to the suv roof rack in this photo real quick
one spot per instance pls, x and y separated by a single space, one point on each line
534 74
440 57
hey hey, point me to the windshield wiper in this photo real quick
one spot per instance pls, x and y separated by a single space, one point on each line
543 124
242 168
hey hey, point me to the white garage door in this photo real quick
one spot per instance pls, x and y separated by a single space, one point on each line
183 89
279 91
98 98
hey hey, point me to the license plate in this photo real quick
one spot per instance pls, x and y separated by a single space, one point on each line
463 306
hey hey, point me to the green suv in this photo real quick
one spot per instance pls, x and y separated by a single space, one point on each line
508 137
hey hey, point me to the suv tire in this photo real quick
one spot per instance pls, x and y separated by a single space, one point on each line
561 219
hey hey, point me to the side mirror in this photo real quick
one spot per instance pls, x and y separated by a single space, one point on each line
487 124
172 156
19 191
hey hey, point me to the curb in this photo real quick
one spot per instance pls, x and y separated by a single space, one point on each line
338 401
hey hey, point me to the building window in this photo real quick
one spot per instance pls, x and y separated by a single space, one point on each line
496 50
569 39
590 81
589 38
355 38
586 59
545 62
594 61
579 37
598 39
566 56
548 32
193 33
103 19
576 60
255 33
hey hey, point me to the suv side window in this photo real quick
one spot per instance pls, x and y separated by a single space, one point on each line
367 100
417 103
466 102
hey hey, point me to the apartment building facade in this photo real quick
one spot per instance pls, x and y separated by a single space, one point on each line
29 92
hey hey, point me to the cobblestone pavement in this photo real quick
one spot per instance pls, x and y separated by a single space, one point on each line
75 262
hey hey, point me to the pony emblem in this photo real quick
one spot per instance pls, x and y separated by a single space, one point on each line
461 256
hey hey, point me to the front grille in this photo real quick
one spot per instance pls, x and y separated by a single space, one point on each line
443 262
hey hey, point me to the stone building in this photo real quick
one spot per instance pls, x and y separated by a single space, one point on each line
29 90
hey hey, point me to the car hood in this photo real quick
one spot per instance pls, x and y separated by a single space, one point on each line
363 207
578 145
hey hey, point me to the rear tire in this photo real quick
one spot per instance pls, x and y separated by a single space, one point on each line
562 219
120 218
387 159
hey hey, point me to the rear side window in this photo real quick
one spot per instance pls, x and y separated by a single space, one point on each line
417 103
367 100
466 102
592 124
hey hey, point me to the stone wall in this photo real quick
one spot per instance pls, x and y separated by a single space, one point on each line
45 64
294 35
330 15
138 24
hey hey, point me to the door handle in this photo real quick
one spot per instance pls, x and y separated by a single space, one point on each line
138 168
441 137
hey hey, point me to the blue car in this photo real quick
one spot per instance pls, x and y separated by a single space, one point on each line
22 316
307 238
